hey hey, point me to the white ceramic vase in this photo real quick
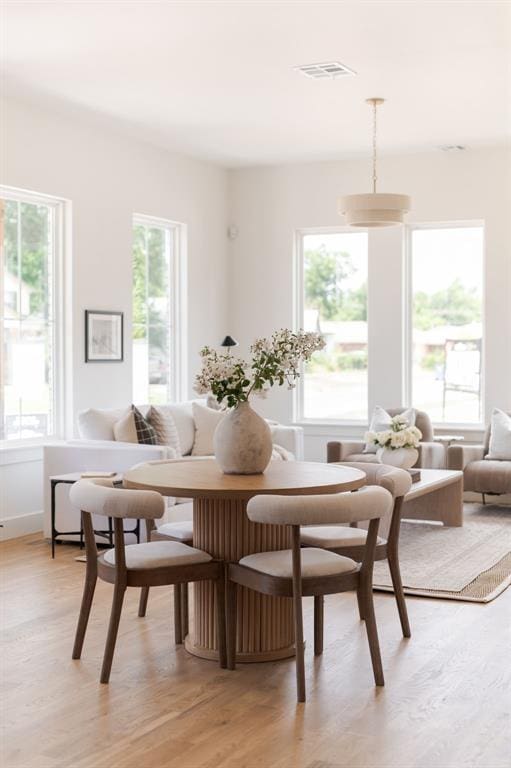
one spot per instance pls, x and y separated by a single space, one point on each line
404 458
242 442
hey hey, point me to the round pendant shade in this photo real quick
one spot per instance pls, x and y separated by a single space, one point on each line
374 209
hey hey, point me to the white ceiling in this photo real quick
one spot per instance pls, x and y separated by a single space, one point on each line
216 79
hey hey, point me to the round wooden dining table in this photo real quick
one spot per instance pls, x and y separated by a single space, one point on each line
222 528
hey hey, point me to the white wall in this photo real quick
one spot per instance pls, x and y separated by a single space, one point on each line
108 177
269 204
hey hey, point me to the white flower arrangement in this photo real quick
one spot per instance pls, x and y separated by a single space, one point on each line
274 361
400 435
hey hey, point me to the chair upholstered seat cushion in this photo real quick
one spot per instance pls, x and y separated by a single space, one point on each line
183 531
315 562
366 458
157 554
488 476
332 536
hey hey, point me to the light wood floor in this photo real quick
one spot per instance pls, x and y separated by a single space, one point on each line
446 703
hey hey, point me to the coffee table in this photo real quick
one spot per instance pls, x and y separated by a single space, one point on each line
438 495
222 528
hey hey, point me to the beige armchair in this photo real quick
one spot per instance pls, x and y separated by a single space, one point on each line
488 477
431 454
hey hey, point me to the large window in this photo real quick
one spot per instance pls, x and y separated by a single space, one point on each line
446 285
332 272
155 310
29 306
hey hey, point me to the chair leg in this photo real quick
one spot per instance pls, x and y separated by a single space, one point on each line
319 604
184 608
372 632
113 627
142 605
300 659
484 498
83 619
220 621
298 614
400 596
231 608
178 627
360 601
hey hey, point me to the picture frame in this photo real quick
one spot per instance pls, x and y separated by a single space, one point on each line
104 336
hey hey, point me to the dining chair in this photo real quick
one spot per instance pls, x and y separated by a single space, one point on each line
298 572
351 542
154 564
182 531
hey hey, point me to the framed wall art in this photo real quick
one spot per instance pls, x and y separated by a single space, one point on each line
104 332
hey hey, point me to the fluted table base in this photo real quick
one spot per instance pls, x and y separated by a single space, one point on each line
264 623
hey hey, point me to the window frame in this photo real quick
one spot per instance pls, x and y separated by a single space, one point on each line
298 310
61 350
409 228
177 330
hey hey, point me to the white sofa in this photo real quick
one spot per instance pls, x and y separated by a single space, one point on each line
97 450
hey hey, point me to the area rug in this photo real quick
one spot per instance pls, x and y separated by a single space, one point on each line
468 563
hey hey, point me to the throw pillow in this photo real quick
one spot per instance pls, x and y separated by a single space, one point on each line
380 421
500 436
280 454
125 430
160 417
97 424
146 434
206 421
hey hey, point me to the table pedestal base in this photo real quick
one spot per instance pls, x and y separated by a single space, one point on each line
265 629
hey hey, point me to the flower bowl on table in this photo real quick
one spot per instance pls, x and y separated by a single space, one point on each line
397 445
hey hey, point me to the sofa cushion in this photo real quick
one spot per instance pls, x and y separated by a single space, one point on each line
487 476
161 418
500 436
206 421
146 433
185 425
98 424
125 430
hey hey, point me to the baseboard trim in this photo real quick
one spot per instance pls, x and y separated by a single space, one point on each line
13 527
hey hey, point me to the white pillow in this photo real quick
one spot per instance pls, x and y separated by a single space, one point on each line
500 436
160 417
96 424
183 418
125 430
206 421
280 454
380 422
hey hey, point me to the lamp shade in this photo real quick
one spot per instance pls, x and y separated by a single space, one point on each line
229 342
374 209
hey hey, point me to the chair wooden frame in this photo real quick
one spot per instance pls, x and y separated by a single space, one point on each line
122 577
180 590
317 586
389 550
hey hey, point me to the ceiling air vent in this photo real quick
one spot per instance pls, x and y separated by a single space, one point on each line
330 69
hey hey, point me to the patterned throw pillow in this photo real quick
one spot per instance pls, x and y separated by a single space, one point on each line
160 417
146 434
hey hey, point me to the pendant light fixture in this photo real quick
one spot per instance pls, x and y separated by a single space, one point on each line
375 209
